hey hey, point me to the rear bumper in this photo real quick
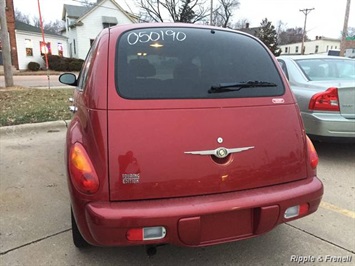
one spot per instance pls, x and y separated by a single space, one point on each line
200 220
329 125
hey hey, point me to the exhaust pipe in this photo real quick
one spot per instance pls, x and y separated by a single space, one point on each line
151 250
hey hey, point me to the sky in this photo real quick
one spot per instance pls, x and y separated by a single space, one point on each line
327 18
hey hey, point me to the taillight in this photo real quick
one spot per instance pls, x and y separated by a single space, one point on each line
326 100
82 172
146 233
295 211
312 154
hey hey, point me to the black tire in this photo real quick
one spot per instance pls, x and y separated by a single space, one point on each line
78 239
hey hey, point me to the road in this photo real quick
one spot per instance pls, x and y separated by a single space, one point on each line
34 81
35 216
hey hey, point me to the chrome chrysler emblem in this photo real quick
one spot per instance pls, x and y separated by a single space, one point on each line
220 152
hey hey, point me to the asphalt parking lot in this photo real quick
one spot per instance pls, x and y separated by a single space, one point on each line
35 214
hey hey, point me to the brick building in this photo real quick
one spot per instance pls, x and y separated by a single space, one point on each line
10 17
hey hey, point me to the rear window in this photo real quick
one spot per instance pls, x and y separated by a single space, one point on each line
328 68
173 63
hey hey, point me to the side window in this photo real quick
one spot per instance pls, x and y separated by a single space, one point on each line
283 66
86 66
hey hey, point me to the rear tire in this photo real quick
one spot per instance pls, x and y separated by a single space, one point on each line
78 239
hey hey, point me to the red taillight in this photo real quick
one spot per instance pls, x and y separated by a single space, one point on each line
304 208
312 154
135 234
325 101
82 172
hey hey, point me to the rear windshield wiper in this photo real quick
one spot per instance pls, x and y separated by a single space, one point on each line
225 87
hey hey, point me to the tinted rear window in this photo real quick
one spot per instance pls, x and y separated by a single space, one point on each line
328 68
173 63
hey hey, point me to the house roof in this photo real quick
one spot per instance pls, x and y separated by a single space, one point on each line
75 11
79 12
19 25
251 31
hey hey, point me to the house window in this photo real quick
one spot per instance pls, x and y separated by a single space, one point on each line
74 46
45 48
29 47
316 49
296 49
60 49
336 47
286 50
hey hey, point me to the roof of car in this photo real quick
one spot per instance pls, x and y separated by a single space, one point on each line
312 56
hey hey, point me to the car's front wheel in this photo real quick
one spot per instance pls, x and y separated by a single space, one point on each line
78 239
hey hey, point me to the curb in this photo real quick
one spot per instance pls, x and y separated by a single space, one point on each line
52 126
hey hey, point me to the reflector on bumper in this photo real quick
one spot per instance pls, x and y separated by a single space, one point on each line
146 233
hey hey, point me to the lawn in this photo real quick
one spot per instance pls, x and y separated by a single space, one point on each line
24 105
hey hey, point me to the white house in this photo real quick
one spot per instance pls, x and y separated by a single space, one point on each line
318 46
30 47
83 24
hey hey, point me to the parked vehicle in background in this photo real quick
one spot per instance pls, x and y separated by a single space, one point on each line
324 87
335 52
184 134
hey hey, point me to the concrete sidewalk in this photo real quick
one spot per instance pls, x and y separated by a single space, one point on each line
51 126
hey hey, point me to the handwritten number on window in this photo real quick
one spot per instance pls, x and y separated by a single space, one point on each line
154 36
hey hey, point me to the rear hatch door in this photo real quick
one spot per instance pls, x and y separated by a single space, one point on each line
164 120
159 153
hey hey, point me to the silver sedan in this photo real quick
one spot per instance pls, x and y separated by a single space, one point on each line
324 87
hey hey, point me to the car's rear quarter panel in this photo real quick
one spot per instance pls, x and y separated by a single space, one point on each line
89 127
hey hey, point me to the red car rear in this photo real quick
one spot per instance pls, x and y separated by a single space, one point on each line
187 135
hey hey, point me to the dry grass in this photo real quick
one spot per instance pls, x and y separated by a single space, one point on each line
24 105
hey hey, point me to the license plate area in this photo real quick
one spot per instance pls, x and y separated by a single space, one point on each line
218 227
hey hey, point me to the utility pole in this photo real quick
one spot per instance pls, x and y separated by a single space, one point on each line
211 13
305 12
6 51
44 43
345 28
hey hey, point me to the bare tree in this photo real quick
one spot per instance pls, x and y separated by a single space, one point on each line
189 11
350 32
224 12
19 16
241 23
291 35
54 26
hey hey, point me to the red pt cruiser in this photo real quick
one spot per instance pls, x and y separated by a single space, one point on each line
186 135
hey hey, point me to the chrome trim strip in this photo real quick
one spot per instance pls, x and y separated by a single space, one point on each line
217 153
